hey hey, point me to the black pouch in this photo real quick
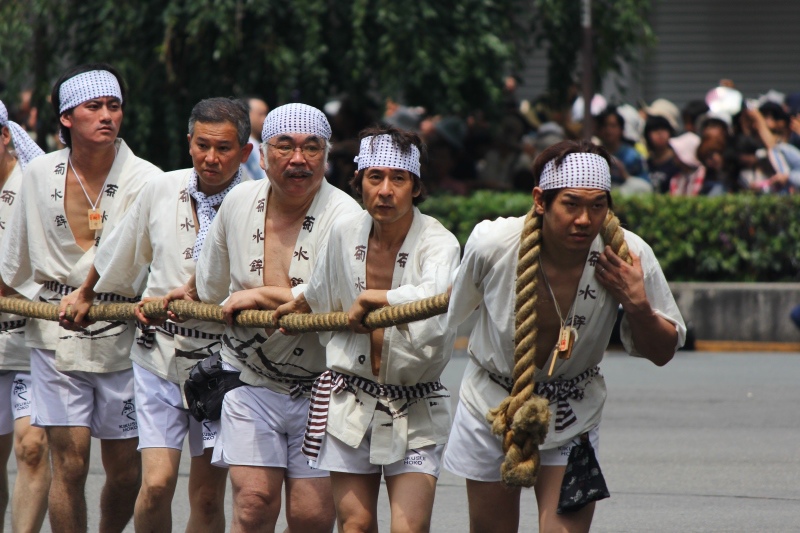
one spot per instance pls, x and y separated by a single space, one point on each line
206 387
583 481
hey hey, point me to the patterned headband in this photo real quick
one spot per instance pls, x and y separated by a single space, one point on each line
295 118
23 144
381 151
83 87
577 171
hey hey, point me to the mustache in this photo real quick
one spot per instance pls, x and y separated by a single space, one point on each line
298 173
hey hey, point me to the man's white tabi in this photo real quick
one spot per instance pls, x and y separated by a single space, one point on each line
412 354
39 245
159 232
14 355
233 259
576 390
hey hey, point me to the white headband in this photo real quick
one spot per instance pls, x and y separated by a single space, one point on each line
295 118
83 87
577 171
381 151
25 147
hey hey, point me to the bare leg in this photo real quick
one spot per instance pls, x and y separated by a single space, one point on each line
6 443
123 468
548 490
69 451
256 498
153 510
29 503
493 507
309 505
356 500
206 495
411 501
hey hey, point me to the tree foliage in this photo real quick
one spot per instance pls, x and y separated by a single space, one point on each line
448 56
619 30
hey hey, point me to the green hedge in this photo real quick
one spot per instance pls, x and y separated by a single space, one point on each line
728 238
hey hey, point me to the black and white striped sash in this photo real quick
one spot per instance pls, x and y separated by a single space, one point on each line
147 335
330 382
63 290
558 392
12 324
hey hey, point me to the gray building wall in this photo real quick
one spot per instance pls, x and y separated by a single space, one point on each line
754 43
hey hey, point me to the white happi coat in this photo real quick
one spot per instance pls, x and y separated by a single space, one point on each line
14 355
487 278
39 245
233 260
412 353
159 232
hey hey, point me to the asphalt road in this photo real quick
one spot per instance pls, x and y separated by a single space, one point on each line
709 443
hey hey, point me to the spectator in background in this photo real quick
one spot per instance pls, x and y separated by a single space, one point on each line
754 167
506 158
691 112
666 109
784 157
628 171
690 178
258 112
444 137
546 136
716 175
793 104
777 120
661 162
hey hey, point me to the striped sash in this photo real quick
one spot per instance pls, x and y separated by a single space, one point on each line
63 290
558 392
330 382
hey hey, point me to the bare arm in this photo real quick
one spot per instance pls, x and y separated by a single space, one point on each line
268 298
763 131
367 301
653 336
80 300
5 290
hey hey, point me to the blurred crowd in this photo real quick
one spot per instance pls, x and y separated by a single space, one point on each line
720 143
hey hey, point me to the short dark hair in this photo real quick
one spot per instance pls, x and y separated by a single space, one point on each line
691 111
611 110
774 111
218 110
557 153
655 123
404 139
55 96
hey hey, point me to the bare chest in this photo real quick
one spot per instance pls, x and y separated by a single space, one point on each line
77 206
551 313
380 267
279 244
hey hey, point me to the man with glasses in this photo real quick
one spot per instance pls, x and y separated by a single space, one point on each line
260 252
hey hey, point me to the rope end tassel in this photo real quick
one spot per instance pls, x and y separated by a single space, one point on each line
522 419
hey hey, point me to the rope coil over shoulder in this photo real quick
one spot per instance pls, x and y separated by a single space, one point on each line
522 418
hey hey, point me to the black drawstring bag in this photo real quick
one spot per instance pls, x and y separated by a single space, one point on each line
583 481
206 387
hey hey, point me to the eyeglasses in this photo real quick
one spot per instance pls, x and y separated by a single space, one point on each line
309 151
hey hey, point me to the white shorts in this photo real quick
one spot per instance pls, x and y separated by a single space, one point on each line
102 402
261 427
15 385
336 456
163 421
474 452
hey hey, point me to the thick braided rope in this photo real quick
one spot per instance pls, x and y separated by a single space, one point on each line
522 418
297 323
